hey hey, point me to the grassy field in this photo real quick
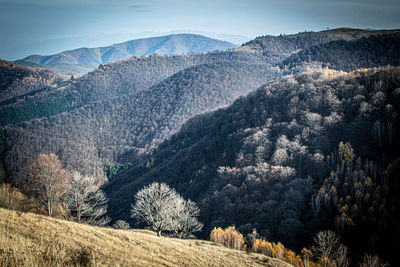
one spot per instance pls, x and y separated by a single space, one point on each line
33 240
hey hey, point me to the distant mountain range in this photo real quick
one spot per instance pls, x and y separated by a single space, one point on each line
83 60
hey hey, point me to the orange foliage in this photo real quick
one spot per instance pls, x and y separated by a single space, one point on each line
306 255
278 250
325 262
48 182
11 198
231 238
262 247
228 237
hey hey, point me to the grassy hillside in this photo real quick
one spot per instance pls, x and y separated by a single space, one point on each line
34 240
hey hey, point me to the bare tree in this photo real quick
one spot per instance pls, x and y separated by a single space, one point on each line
47 182
86 202
153 205
184 218
342 259
372 261
163 209
315 204
328 249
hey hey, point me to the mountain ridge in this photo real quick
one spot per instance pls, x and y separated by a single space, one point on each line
90 58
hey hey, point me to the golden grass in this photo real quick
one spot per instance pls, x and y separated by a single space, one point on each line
33 240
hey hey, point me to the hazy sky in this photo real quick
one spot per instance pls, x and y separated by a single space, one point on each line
49 26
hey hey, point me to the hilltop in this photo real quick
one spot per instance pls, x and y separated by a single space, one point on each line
83 60
282 46
19 81
345 55
35 240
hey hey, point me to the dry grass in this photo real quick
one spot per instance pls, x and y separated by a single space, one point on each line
33 240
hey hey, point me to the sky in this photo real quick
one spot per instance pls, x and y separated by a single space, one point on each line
51 26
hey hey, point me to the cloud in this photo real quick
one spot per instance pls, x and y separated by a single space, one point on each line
141 8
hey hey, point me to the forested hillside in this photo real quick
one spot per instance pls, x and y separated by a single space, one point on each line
98 134
112 80
84 60
16 80
125 109
309 152
366 52
101 98
280 47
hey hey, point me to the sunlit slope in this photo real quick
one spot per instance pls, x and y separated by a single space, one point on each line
34 240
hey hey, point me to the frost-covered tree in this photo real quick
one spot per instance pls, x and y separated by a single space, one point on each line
163 209
184 221
86 202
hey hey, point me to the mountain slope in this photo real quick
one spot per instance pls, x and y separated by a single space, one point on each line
34 240
261 161
366 52
112 80
125 109
83 60
16 80
280 47
123 128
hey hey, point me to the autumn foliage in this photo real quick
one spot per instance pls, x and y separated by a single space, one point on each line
228 237
11 198
48 182
277 250
231 238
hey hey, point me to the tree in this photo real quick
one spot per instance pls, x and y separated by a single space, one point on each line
163 209
11 198
328 249
47 182
372 261
346 153
86 202
228 237
306 255
184 218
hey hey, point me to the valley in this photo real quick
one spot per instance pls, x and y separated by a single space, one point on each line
283 138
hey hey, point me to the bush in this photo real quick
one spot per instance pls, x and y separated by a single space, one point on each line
121 224
11 198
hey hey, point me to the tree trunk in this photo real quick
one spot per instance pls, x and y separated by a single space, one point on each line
49 208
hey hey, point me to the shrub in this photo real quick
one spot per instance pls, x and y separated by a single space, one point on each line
11 198
121 224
